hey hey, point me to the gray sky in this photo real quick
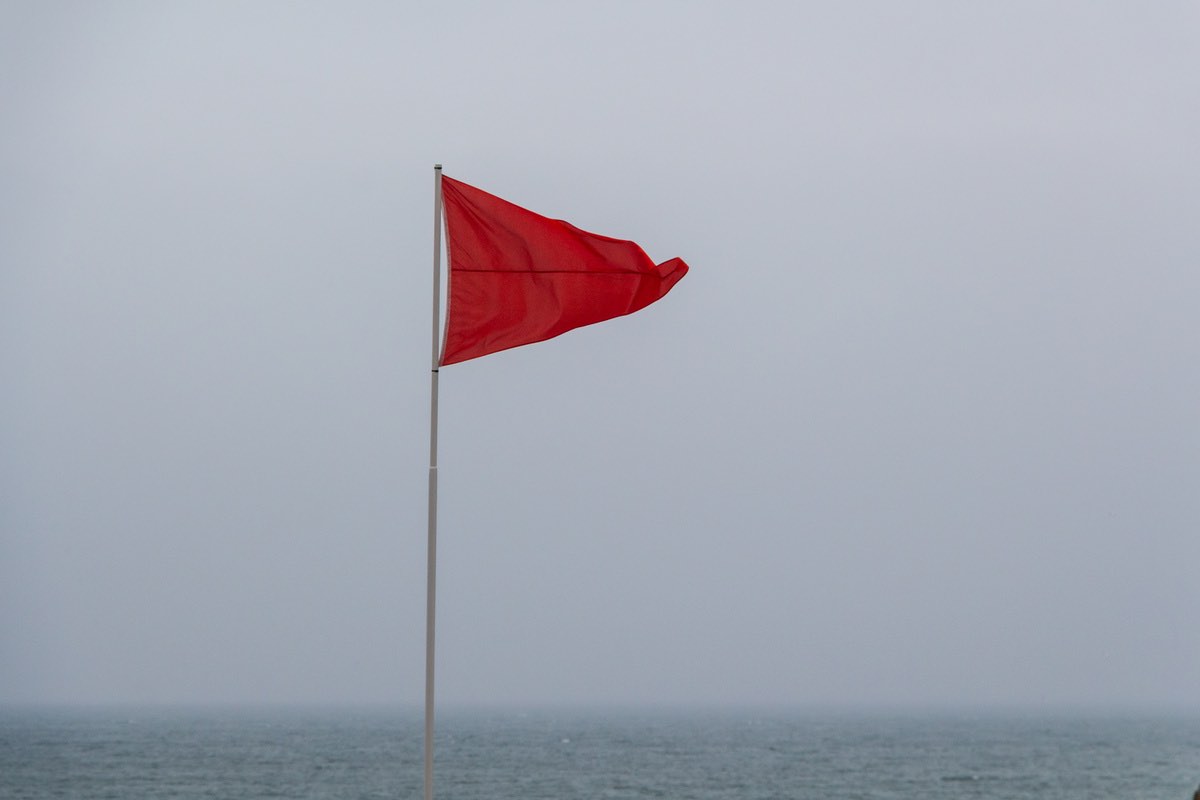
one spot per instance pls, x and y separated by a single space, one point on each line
920 426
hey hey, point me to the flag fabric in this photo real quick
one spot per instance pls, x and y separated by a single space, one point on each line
517 277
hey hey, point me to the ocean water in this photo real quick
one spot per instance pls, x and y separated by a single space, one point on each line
509 755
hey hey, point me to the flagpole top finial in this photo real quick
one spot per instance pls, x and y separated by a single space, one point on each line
437 166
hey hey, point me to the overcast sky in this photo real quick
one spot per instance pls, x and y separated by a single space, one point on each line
919 427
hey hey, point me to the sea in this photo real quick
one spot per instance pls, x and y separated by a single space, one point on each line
511 754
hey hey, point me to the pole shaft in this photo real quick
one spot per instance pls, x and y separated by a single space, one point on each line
431 551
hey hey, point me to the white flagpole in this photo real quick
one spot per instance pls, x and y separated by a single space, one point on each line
431 552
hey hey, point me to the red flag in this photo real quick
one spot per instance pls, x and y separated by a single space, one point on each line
517 277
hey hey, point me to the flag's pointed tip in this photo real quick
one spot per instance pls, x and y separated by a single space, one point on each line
673 270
